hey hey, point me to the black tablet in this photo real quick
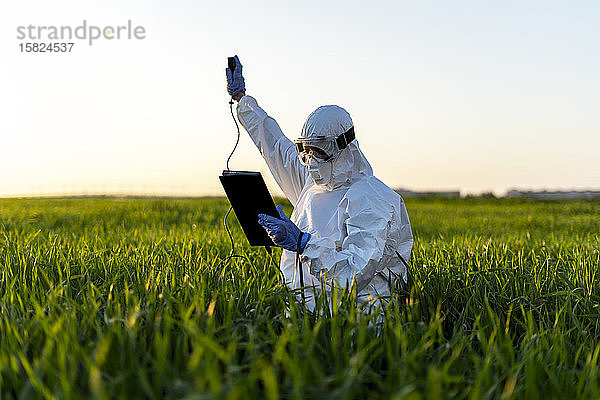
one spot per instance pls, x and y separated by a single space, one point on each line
249 196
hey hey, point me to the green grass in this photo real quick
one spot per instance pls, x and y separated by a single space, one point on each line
125 298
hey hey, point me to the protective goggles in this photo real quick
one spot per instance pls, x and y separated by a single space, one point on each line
323 148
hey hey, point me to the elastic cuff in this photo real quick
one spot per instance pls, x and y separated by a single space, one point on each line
304 241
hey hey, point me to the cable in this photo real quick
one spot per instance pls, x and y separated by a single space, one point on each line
238 133
231 253
227 229
299 267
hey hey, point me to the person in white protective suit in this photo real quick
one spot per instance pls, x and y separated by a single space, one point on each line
347 227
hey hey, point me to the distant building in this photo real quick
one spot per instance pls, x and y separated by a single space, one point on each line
445 194
555 195
513 193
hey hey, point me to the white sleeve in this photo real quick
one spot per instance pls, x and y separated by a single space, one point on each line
363 251
278 151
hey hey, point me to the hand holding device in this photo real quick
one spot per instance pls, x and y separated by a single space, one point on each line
283 232
235 80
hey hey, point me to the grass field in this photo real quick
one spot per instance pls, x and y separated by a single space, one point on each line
125 298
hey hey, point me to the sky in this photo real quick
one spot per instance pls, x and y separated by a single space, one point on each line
475 96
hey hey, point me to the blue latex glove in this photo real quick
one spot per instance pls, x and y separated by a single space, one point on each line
235 81
283 232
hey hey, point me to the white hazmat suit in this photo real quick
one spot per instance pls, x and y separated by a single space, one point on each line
359 227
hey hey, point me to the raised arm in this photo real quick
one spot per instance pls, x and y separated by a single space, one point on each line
278 151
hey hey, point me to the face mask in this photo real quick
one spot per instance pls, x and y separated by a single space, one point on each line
321 173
